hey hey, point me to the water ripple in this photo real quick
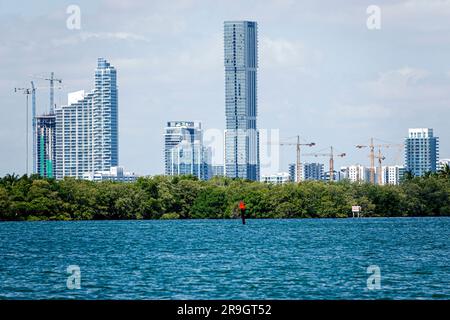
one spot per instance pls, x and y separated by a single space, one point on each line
222 259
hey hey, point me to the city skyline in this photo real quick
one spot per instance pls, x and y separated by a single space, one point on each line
80 139
389 89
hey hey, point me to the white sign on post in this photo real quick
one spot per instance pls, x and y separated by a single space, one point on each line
356 209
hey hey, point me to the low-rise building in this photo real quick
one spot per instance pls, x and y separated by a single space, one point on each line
115 174
277 178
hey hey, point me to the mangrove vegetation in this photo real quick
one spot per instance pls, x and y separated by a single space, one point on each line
184 197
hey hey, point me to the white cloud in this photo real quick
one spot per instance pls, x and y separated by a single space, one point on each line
283 53
86 36
399 83
361 112
429 15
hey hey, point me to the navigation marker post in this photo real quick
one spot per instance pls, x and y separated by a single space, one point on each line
242 208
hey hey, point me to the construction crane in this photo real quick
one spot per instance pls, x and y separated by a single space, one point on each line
32 91
33 121
27 92
52 80
380 157
298 145
372 159
331 156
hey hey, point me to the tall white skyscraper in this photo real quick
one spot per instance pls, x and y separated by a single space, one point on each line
87 128
241 135
105 117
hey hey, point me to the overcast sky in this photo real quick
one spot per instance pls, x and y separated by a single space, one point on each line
322 73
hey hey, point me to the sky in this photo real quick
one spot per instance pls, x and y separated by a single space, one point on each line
323 74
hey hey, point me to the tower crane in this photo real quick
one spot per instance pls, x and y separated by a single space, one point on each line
297 144
33 121
27 92
52 80
331 156
372 159
380 157
32 91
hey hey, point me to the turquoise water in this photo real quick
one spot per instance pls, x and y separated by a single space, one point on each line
223 259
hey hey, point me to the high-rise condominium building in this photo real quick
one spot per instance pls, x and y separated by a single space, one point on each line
356 173
292 170
421 151
308 171
338 175
391 174
184 151
87 128
313 171
45 139
241 135
105 116
217 170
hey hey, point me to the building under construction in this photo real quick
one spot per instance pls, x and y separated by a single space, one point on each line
45 140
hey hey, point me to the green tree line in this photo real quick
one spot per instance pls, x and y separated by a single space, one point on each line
184 197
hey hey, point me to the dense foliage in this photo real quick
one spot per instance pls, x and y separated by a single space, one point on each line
160 197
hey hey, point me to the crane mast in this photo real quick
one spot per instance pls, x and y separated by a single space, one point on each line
298 145
32 91
27 92
33 121
298 163
372 162
52 81
380 158
331 159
